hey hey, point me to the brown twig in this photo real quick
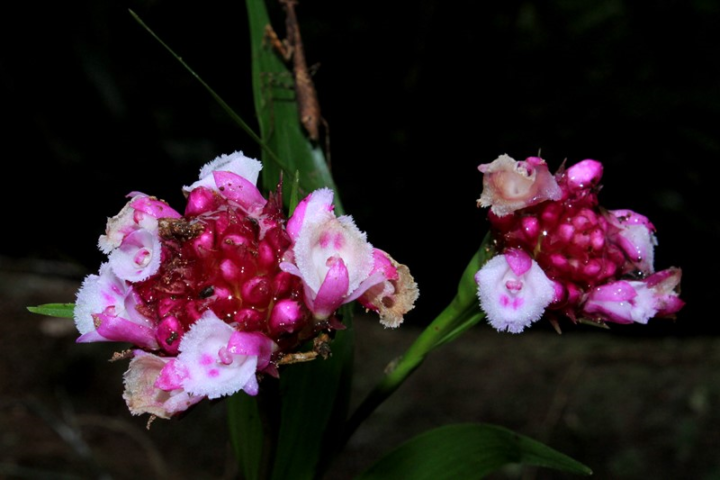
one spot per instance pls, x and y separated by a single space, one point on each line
291 49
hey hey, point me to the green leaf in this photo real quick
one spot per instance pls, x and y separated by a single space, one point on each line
467 451
63 310
246 433
294 194
315 398
277 114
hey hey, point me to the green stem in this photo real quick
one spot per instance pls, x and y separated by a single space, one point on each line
431 337
461 314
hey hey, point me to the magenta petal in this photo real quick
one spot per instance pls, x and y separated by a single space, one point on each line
171 376
154 207
251 343
333 289
619 291
311 209
585 174
376 278
518 261
295 222
382 263
91 337
118 329
200 200
236 188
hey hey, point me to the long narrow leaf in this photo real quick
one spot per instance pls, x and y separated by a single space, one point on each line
315 398
277 112
63 310
246 433
467 451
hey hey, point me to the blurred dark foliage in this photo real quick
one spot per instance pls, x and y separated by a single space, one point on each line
417 94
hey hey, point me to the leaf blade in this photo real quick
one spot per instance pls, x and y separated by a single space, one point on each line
277 114
61 310
468 451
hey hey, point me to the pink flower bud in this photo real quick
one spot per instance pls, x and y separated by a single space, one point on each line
256 292
585 174
201 200
287 317
169 333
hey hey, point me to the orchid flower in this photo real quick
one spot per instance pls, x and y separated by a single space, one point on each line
513 291
131 237
105 311
142 395
330 254
636 237
234 177
628 301
509 185
395 295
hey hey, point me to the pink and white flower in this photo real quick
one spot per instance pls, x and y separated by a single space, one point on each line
105 311
513 291
595 258
330 254
628 301
216 360
509 185
131 237
230 289
234 177
395 295
143 396
636 237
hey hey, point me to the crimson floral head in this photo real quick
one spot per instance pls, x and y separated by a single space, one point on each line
561 254
214 299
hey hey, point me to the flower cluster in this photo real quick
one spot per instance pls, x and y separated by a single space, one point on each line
219 296
561 253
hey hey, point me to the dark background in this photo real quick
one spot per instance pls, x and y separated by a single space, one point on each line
417 94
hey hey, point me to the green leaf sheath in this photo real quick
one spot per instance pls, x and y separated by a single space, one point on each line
315 397
292 428
467 451
246 433
277 114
